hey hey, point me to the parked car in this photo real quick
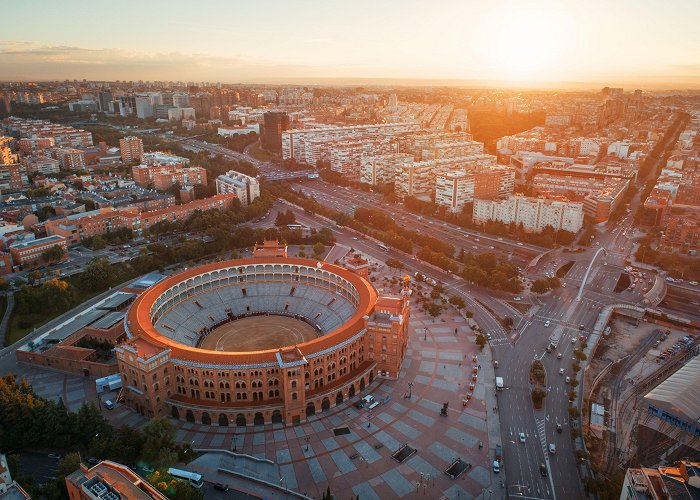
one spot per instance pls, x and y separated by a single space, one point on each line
552 448
543 470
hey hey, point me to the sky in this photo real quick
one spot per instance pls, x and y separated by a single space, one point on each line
641 43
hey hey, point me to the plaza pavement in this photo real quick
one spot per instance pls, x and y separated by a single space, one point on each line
360 463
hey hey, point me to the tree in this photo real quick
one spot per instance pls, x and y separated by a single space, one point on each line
159 443
508 322
394 263
481 341
469 314
573 412
457 301
433 309
319 248
68 464
540 286
285 218
98 275
56 252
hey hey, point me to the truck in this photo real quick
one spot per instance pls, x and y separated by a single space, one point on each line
109 383
499 383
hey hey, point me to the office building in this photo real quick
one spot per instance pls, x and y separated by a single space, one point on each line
275 122
456 189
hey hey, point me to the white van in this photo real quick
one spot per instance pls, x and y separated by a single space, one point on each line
496 466
368 399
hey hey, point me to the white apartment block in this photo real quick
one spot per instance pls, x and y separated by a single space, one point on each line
245 187
382 169
295 142
419 178
535 214
346 157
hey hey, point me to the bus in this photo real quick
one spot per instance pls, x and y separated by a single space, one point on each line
293 227
383 247
185 475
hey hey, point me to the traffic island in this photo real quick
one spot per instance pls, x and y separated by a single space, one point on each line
538 378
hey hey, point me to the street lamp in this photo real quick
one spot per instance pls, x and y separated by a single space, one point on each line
369 418
410 389
307 439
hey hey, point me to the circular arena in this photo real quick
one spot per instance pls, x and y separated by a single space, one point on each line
252 341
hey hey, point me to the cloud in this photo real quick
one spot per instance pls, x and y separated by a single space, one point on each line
27 60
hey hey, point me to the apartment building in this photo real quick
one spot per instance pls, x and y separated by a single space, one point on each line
535 214
382 169
600 196
681 234
29 253
41 165
6 155
70 158
345 157
62 135
13 176
157 158
419 178
109 481
74 228
295 142
162 177
131 149
455 189
245 187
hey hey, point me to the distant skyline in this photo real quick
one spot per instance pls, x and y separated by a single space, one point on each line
509 43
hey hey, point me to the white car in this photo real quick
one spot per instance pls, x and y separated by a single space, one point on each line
546 324
561 371
521 437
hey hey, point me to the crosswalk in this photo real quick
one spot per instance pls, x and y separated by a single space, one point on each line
499 342
540 423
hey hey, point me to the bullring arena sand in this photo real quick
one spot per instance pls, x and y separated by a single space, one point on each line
259 333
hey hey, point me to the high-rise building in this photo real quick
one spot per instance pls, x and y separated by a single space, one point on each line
131 149
245 187
144 107
275 122
103 100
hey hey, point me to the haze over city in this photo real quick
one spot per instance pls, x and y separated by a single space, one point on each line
650 43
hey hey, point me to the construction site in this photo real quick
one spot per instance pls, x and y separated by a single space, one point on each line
641 405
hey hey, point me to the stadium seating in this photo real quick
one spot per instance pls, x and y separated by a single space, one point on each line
184 321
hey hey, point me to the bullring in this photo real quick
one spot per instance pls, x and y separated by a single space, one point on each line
201 347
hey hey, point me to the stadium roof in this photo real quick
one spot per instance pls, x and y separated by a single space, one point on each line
109 320
679 394
117 300
76 323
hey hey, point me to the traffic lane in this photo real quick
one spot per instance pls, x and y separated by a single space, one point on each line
441 228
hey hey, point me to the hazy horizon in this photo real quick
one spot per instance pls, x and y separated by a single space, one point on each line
504 43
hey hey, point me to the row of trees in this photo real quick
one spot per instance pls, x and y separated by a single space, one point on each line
543 285
483 270
33 422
